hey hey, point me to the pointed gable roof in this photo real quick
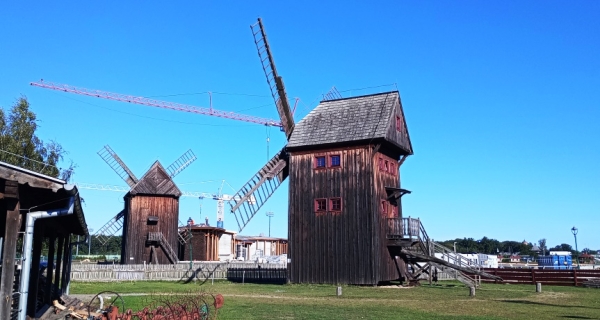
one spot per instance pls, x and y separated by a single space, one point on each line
156 181
354 120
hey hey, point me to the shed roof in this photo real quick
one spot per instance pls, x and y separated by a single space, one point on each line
46 193
156 181
354 119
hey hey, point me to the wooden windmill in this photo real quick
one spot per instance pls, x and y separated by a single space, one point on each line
343 161
150 217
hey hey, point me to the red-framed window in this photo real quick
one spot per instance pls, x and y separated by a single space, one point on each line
321 205
320 162
383 207
399 124
335 204
335 161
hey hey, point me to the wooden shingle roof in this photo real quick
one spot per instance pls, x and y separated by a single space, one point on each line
156 182
355 119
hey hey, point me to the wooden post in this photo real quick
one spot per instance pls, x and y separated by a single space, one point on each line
533 275
13 224
36 252
49 270
471 291
59 257
339 291
575 276
538 287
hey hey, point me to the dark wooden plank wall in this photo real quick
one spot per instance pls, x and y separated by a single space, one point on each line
205 246
334 248
136 227
399 138
384 179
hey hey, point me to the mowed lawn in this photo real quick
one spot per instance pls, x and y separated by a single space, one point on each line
447 300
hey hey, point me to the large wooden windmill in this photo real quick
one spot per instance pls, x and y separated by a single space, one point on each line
343 161
150 217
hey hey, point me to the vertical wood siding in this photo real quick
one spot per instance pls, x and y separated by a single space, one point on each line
337 248
136 227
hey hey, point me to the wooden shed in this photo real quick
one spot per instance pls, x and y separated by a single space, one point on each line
151 216
344 160
36 210
206 243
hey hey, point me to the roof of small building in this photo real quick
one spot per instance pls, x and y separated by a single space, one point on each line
45 193
156 181
354 119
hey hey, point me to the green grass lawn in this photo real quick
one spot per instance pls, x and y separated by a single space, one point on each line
448 300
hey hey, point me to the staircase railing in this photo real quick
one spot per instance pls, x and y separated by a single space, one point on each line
411 228
160 238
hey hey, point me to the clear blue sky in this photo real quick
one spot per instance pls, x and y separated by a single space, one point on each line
502 99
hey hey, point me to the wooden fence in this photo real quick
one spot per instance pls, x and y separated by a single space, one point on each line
572 277
182 271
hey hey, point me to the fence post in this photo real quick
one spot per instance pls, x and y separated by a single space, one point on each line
575 276
538 287
471 291
339 291
533 275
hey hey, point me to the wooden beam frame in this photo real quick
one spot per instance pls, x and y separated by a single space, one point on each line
11 234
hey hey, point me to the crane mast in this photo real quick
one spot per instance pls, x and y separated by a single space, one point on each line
156 103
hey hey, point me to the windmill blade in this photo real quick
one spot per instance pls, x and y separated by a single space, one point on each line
113 226
113 161
183 162
274 81
253 195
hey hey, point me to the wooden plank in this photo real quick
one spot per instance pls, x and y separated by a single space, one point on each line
50 269
12 226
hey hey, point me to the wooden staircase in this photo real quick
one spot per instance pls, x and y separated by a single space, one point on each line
159 238
408 240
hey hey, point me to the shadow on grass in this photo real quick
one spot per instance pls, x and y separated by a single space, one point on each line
550 305
577 317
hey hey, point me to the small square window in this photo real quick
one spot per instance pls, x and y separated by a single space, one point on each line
399 124
335 160
319 162
321 205
335 204
384 207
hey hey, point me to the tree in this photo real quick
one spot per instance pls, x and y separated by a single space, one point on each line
20 146
542 245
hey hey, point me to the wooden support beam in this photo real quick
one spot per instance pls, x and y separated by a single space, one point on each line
38 237
59 258
11 234
50 270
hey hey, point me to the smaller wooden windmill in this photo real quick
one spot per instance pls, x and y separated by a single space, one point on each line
150 217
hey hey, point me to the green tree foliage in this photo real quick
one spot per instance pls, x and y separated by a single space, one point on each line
20 146
492 246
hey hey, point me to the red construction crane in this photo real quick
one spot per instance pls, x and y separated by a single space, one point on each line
156 103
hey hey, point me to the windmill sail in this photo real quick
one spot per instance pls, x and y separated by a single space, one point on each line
113 160
113 226
183 162
251 197
274 81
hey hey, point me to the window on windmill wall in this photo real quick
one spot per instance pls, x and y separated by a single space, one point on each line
383 207
320 205
335 204
320 162
335 161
